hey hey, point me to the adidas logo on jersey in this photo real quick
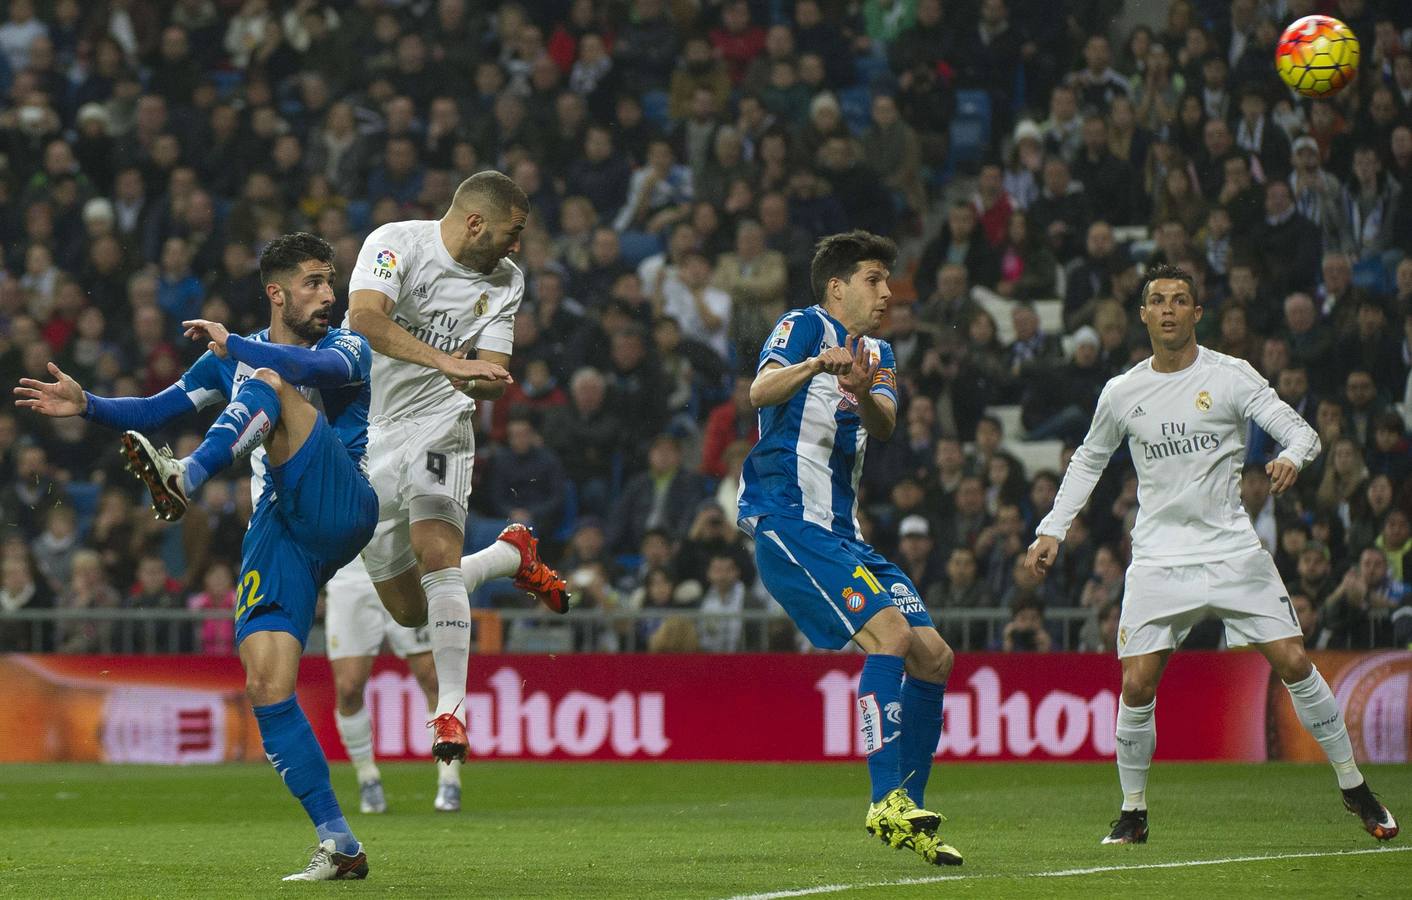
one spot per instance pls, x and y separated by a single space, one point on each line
1139 411
420 291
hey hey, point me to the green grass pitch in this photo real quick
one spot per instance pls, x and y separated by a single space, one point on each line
664 830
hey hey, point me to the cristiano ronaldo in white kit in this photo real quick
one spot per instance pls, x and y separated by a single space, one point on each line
1185 412
426 294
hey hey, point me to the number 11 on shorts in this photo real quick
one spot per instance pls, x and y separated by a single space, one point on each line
868 579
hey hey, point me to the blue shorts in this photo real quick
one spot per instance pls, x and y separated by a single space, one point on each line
319 512
830 585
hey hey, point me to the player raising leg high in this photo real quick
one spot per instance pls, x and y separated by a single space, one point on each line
421 291
1184 413
823 388
356 623
314 509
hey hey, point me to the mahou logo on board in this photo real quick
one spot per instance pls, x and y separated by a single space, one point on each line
984 720
504 721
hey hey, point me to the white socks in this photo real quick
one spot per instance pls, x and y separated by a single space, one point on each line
449 774
1137 739
1316 707
449 617
499 560
356 732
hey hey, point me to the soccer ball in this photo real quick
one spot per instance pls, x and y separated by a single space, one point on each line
1317 56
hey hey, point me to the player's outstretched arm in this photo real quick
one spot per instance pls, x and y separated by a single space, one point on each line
368 315
65 397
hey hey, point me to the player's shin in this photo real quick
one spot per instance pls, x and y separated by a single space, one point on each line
449 617
921 731
499 560
1318 710
241 427
295 753
880 720
356 732
1137 740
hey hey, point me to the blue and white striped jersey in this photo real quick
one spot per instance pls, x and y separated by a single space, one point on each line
810 455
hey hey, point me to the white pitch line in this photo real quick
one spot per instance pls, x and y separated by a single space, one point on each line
1058 873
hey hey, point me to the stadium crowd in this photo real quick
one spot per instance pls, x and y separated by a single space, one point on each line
681 160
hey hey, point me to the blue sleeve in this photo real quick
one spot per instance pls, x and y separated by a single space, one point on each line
139 413
885 380
796 338
206 382
326 367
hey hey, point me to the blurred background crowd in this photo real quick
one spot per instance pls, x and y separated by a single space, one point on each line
1031 157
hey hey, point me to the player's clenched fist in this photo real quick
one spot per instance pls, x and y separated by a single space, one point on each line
1041 555
834 361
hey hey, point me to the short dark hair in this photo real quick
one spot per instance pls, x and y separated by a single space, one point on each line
1167 271
839 255
500 193
284 254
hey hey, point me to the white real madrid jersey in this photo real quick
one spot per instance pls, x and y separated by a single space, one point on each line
1186 431
440 302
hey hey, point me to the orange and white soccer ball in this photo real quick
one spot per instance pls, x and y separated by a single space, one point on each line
1317 56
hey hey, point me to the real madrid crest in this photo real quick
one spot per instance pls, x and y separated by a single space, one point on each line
1203 401
484 303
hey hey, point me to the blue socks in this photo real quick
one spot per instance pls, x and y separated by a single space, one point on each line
244 424
880 720
921 730
295 753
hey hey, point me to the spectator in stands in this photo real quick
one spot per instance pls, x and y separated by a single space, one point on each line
664 496
1306 612
1089 278
961 241
962 528
1358 613
1060 399
754 276
55 546
88 589
21 590
215 637
1315 572
1109 183
1372 198
1362 407
659 194
917 556
527 481
31 493
725 599
1310 341
585 435
1288 243
949 305
1027 266
1026 632
1062 210
729 422
964 588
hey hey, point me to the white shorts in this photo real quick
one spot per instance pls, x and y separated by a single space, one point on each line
1162 603
355 622
421 469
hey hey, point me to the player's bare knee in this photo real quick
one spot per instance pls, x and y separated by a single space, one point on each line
262 689
350 699
1291 665
408 615
942 659
270 377
1138 690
